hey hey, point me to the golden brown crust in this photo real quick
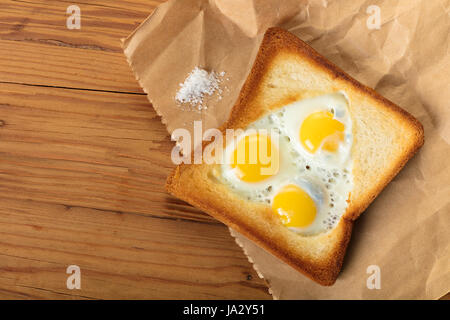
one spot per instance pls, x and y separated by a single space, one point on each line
323 270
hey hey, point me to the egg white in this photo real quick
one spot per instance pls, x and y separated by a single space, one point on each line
293 115
325 176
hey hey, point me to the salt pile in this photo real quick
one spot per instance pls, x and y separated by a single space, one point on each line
198 84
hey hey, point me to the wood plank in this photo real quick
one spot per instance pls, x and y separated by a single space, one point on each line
121 256
40 64
46 52
88 149
43 21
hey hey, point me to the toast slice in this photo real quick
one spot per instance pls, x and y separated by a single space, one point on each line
385 137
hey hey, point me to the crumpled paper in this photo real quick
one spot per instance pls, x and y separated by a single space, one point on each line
406 58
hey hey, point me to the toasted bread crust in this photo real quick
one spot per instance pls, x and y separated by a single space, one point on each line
326 269
323 272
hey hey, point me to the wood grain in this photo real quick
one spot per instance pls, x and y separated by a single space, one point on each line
64 152
120 255
90 149
44 22
83 161
37 64
47 53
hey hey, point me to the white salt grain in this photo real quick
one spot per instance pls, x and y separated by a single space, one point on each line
198 84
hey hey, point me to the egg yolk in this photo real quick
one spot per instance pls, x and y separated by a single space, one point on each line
320 129
294 206
255 158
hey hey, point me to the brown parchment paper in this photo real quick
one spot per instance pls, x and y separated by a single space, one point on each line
406 230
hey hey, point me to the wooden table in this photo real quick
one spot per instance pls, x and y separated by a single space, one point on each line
83 161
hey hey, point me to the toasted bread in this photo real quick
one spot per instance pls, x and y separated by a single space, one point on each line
385 137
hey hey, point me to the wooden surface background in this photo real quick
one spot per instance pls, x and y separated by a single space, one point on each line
83 160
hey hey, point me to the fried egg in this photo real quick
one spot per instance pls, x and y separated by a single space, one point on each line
321 128
297 161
